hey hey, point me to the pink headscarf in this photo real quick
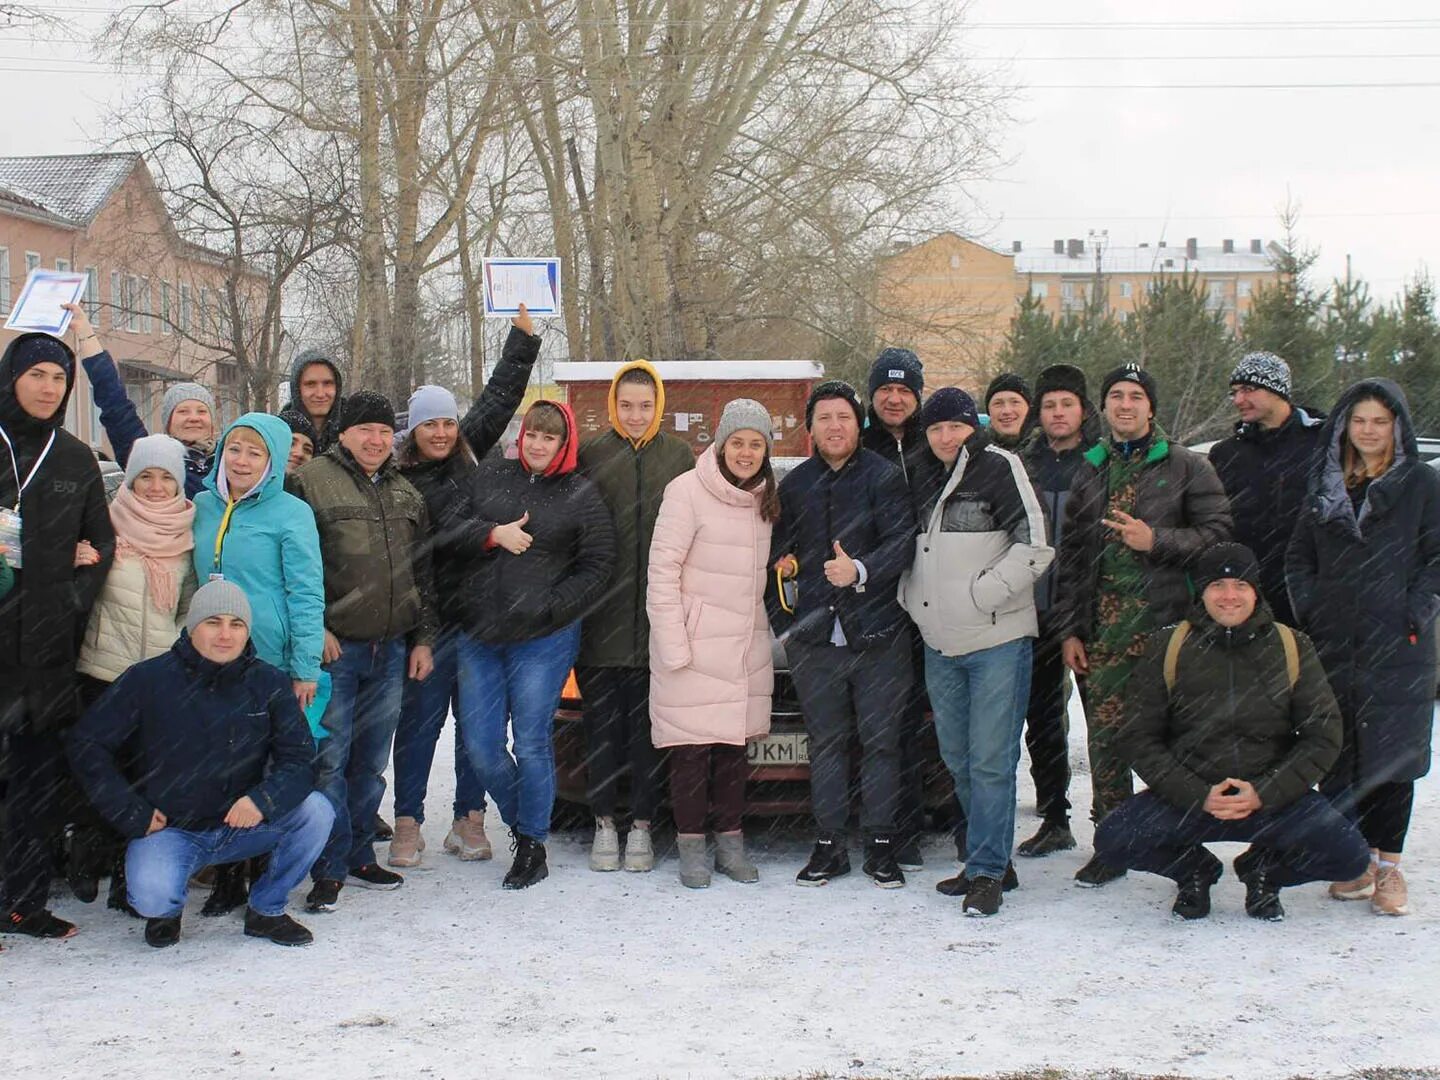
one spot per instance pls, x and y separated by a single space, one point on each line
158 534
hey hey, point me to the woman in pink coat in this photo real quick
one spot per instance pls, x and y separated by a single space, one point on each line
710 670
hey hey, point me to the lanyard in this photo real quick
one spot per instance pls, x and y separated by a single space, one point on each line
15 465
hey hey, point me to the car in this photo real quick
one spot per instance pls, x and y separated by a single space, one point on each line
779 781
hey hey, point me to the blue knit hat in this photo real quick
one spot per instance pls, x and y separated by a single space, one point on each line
898 366
431 403
949 403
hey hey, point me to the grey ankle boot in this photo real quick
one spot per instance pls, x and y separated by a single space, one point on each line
694 862
730 858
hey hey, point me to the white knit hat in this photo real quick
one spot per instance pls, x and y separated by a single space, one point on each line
185 391
431 403
156 452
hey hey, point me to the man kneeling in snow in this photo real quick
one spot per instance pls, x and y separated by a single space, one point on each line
1230 721
206 720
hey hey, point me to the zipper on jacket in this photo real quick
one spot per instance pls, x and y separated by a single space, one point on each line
639 551
1230 657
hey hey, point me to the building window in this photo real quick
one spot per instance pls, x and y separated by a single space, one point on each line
1125 290
186 303
1123 316
62 264
92 293
1039 289
32 262
1215 295
147 300
954 262
133 300
4 281
117 301
207 327
1067 290
1242 289
165 307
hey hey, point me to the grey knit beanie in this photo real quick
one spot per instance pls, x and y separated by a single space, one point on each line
217 598
431 403
156 452
185 391
745 414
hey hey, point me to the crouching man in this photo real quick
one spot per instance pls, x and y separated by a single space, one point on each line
226 771
1230 721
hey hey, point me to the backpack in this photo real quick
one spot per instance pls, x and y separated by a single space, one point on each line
1182 631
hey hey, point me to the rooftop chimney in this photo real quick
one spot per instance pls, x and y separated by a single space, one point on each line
1015 246
1059 247
1192 248
1228 246
1074 248
1160 244
1256 247
1144 243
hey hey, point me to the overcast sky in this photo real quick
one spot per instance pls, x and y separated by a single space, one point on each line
1102 137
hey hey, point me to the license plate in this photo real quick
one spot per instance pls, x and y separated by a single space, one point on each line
781 748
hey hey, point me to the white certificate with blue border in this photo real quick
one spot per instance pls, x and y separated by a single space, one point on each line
512 282
39 307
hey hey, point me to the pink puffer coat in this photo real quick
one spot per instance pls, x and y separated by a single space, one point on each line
710 669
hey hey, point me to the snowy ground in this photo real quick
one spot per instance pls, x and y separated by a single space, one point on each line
622 975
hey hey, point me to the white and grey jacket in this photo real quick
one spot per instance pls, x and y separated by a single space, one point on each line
978 555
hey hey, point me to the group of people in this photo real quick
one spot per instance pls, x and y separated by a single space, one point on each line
214 670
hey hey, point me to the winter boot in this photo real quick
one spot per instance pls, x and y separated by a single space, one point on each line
984 897
162 933
830 859
118 899
730 858
281 929
605 849
1192 897
1096 873
694 860
1051 837
639 852
1391 896
408 846
467 840
529 866
1262 896
907 853
880 865
383 832
229 892
959 885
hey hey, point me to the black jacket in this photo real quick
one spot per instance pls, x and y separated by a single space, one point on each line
327 433
1052 473
866 507
1264 473
509 598
202 735
1232 713
923 472
43 618
1366 592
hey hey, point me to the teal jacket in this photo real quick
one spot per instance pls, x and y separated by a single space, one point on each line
272 551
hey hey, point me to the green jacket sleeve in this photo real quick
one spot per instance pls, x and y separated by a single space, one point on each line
1145 727
1315 717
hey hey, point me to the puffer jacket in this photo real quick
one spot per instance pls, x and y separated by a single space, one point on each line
1178 495
1365 588
1232 714
125 626
710 668
375 546
271 550
971 585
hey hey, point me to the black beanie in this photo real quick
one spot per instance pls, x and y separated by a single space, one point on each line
39 348
300 424
898 366
949 403
1007 381
833 388
367 407
1226 560
1136 374
1066 377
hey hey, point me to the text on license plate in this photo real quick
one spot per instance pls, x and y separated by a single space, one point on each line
781 748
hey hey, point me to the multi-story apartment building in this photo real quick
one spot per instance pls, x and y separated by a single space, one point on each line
154 298
952 299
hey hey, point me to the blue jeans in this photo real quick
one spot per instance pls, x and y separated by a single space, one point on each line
516 685
367 682
158 866
422 717
979 703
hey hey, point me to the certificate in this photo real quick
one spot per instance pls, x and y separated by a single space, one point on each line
39 305
512 282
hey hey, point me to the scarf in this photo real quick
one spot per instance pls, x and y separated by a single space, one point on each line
157 535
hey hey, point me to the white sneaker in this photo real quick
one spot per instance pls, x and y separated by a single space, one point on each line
639 852
605 850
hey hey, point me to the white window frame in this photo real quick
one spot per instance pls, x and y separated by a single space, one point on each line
1242 289
132 303
4 281
165 307
147 299
187 305
1126 290
62 264
117 300
1040 290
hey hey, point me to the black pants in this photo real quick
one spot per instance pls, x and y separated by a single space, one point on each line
1047 732
1383 815
910 810
845 691
617 740
1309 840
708 783
36 792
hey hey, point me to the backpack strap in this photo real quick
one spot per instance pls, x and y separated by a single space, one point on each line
1172 652
1292 653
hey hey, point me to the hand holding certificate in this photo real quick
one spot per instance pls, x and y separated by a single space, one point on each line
41 306
510 283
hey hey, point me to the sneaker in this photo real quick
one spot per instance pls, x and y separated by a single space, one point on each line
383 832
1360 888
1262 897
281 929
162 933
605 849
1051 837
38 924
1391 897
959 885
830 859
1095 873
374 876
880 865
324 896
984 897
529 866
408 846
467 840
639 852
1192 898
907 854
229 891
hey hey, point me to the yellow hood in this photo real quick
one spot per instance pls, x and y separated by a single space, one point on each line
654 428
